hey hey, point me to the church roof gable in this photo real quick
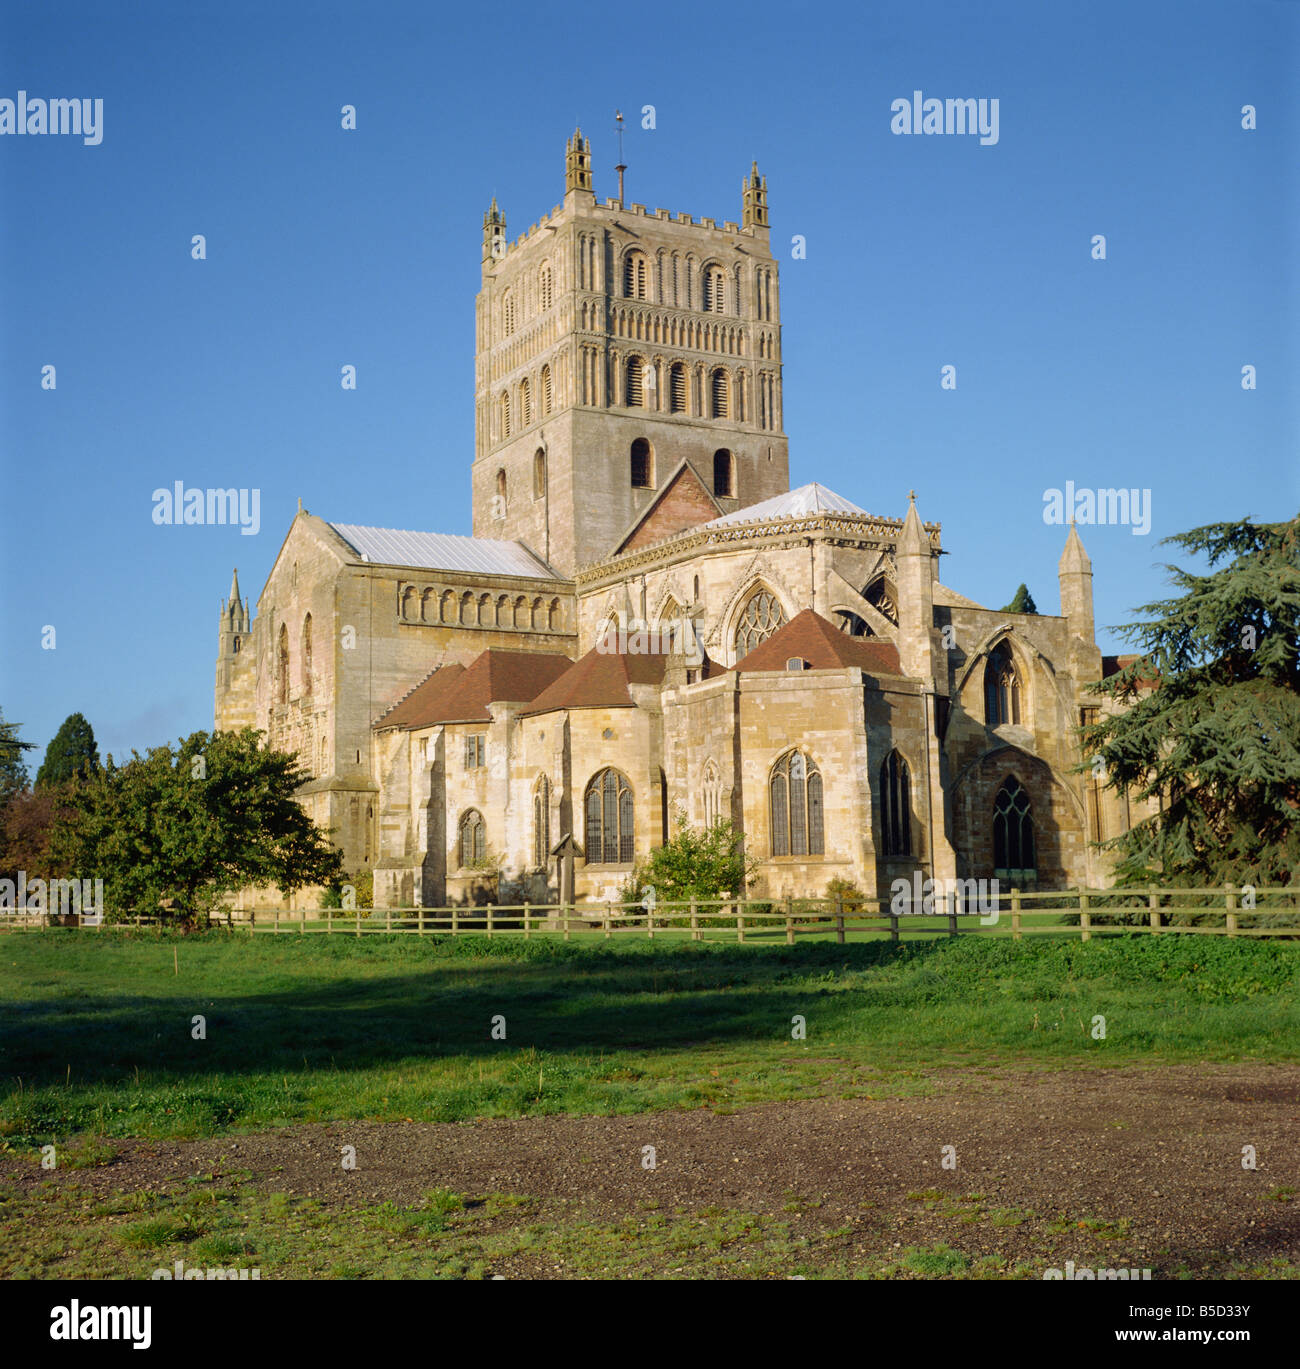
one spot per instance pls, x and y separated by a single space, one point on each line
810 637
600 679
685 501
461 694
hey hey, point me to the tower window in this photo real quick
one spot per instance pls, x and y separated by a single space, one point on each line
544 291
508 313
642 465
718 394
546 391
525 403
636 276
501 493
714 290
539 473
723 485
505 415
677 388
635 383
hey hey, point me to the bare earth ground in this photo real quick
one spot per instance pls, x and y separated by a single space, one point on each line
1120 1167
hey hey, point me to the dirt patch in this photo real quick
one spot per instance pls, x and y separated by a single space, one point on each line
1133 1167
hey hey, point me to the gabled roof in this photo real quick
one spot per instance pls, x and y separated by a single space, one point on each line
806 499
810 637
600 679
685 501
443 551
494 676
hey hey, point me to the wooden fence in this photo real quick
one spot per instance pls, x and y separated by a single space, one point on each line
1226 911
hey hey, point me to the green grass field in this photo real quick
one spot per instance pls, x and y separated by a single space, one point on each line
97 1028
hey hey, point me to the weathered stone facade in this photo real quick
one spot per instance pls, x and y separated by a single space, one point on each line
852 715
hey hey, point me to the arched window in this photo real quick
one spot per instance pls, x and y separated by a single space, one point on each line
718 394
284 664
544 287
851 625
525 403
895 807
473 840
881 597
642 465
714 290
1013 832
609 819
711 795
539 473
1001 687
723 486
546 391
677 388
306 655
635 397
542 823
505 415
508 313
500 510
795 791
636 276
760 619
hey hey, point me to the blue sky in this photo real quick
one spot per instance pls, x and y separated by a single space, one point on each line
328 247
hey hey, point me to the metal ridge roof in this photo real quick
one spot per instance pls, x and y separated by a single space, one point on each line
443 551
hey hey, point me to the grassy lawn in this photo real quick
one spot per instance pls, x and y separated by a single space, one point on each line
97 1036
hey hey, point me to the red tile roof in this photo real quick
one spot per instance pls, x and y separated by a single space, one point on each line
812 638
600 679
495 676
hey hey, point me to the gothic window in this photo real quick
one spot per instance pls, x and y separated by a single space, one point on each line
539 473
542 823
642 465
636 276
677 388
795 792
722 472
544 287
895 807
1001 687
473 840
881 598
306 655
718 394
546 391
851 625
714 290
760 619
525 403
284 664
1013 832
609 819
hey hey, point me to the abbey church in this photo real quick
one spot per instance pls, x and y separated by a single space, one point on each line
648 621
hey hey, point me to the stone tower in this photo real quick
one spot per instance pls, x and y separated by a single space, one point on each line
614 343
236 664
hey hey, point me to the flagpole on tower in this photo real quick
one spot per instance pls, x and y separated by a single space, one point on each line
622 166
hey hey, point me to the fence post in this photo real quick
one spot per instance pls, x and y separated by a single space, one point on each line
1231 915
1085 918
893 919
609 915
1153 907
329 921
1015 914
419 920
789 919
950 898
490 910
740 922
839 916
528 912
695 921
650 920
302 922
358 918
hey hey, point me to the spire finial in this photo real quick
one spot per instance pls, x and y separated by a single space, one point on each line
911 496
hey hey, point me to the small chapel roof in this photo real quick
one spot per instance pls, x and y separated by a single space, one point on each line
813 498
493 676
443 551
810 637
600 679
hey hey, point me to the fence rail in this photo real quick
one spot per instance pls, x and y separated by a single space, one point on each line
1225 911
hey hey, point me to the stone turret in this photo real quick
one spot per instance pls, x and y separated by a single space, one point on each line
915 598
236 664
1074 572
754 196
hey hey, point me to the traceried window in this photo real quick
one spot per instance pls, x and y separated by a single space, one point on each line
895 807
636 276
635 398
542 823
718 394
642 465
473 840
1013 832
795 794
723 483
761 618
1001 687
608 804
284 664
881 598
677 388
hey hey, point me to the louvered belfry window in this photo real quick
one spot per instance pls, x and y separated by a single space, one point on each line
635 383
718 394
677 388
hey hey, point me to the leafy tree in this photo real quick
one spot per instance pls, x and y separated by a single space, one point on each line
1207 719
192 824
1022 602
72 755
13 769
695 862
27 826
